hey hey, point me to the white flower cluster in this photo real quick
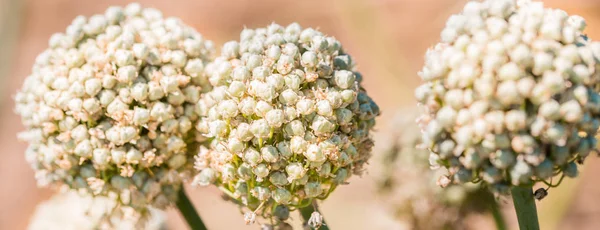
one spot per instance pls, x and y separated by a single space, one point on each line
110 105
511 94
72 211
288 119
410 189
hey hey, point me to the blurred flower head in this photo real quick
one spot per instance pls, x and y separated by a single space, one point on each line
511 94
410 187
288 119
109 107
73 211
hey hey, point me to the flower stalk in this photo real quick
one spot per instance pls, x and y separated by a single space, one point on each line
187 210
497 214
525 207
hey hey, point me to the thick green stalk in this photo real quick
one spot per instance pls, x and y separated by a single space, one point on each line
307 211
187 210
525 208
497 214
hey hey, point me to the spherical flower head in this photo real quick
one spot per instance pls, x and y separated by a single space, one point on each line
109 107
288 118
411 189
510 94
72 210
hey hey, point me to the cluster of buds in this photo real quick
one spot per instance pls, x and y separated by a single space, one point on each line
71 210
110 106
409 186
287 117
511 94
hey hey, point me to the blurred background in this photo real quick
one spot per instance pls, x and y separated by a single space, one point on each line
387 38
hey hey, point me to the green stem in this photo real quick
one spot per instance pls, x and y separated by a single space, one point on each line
187 210
525 208
307 211
497 214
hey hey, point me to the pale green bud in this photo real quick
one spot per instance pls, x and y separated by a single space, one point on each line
260 128
262 108
252 157
206 177
269 154
295 171
261 193
312 189
321 125
503 159
275 118
282 196
295 128
261 171
315 154
248 106
305 106
278 179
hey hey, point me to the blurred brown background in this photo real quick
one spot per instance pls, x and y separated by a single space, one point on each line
388 39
